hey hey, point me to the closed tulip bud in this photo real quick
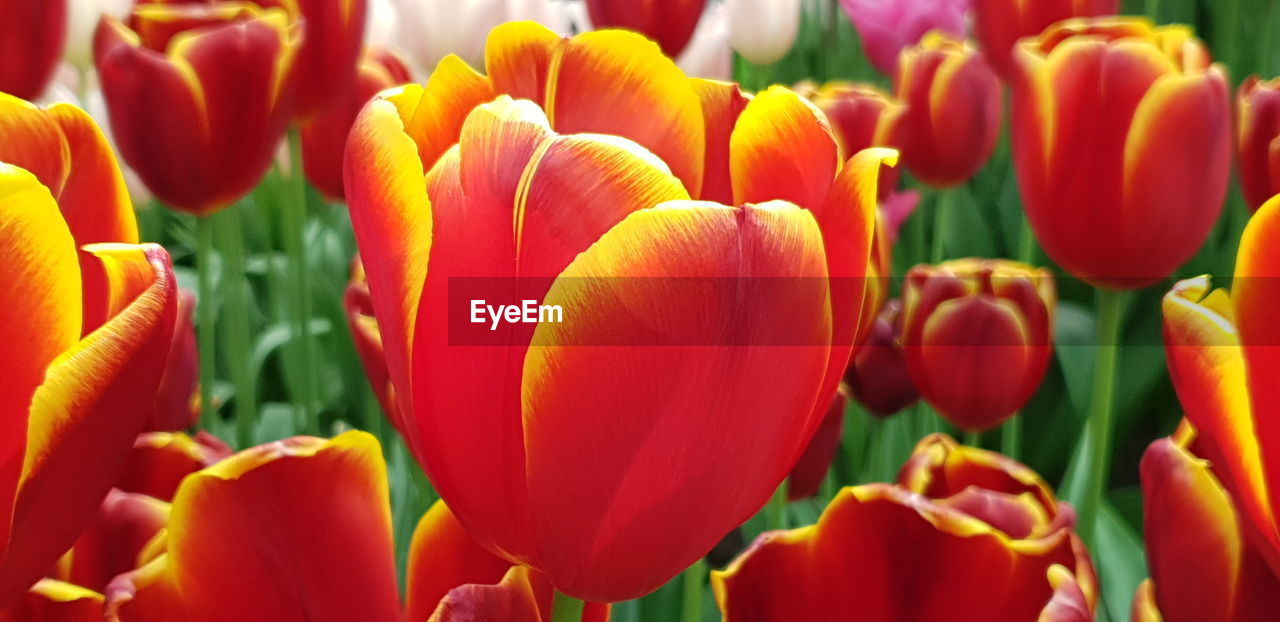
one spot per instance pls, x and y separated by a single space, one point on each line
670 23
924 548
1140 113
763 31
324 139
998 24
949 113
32 34
978 335
1258 119
198 96
878 377
1203 566
886 27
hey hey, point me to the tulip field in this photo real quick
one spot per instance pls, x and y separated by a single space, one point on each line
642 311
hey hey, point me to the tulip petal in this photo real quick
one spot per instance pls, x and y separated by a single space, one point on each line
453 90
161 460
643 393
443 556
40 317
1144 604
112 542
84 417
358 305
722 104
511 600
1208 370
146 594
55 601
518 57
782 148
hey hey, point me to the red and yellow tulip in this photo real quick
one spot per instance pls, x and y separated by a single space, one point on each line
948 116
198 96
1122 141
436 177
32 35
1257 128
1203 567
998 24
87 324
977 334
926 548
1222 356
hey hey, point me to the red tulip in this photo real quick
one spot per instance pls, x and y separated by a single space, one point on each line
86 332
949 117
324 139
198 97
670 23
977 335
32 34
1202 565
328 60
55 601
1258 127
806 476
1121 137
965 534
998 24
879 378
161 460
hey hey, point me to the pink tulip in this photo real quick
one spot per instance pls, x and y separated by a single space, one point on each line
887 26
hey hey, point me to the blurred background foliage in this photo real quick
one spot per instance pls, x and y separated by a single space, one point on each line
987 222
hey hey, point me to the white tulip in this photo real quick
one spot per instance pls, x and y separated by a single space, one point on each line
708 54
763 31
82 21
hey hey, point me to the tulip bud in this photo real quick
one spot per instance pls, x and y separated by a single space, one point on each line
806 476
1258 116
998 24
977 334
32 34
949 117
199 120
878 377
763 31
886 27
1121 138
669 23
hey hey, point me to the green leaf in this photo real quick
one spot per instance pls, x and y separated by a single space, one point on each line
1120 562
1074 336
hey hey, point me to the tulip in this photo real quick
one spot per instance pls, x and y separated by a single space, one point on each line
82 19
977 335
325 137
198 119
507 480
885 28
31 39
927 548
1203 567
177 403
270 511
87 332
855 111
1140 113
763 31
54 600
328 60
1220 348
806 476
879 378
998 24
116 539
708 54
1258 126
949 117
161 460
669 23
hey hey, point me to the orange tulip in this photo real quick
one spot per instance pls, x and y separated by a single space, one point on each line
161 460
1258 127
977 335
198 96
494 441
1221 351
324 139
670 23
998 24
927 548
271 511
1202 565
949 116
879 378
31 38
55 601
87 332
1121 137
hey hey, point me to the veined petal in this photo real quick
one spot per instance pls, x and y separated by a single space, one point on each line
518 56
453 90
50 600
782 148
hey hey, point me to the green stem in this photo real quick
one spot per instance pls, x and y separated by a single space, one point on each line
941 221
566 608
973 439
1098 429
239 330
1027 242
1011 436
692 588
205 313
295 216
776 511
